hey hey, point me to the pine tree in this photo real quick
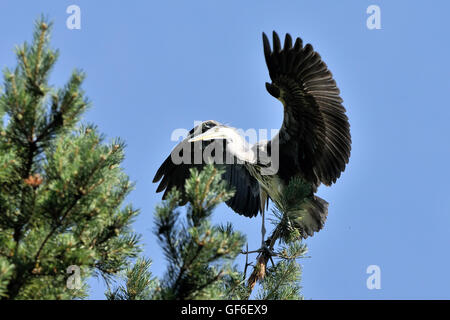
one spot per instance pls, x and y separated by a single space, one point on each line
201 256
61 187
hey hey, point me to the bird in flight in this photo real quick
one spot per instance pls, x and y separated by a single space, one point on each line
313 143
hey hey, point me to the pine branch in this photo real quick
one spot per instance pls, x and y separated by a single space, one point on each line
199 254
139 283
286 232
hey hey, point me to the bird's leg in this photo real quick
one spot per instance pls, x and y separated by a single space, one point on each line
263 201
263 231
264 247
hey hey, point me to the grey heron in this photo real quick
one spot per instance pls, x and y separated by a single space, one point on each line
313 142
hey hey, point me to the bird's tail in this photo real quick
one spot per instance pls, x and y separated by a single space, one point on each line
311 216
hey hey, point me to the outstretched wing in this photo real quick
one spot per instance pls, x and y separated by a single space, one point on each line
315 126
246 198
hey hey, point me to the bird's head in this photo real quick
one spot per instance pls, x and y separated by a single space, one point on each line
236 144
215 133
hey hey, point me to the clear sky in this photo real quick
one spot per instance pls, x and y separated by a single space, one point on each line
157 66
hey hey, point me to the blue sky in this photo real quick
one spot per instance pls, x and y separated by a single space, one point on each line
156 66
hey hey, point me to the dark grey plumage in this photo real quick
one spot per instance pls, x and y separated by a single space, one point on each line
314 139
315 125
246 198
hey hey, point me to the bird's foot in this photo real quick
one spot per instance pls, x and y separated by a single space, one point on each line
263 250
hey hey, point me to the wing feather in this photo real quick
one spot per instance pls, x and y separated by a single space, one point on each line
246 198
315 119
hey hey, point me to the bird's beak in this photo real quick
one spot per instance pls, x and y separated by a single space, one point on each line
207 136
